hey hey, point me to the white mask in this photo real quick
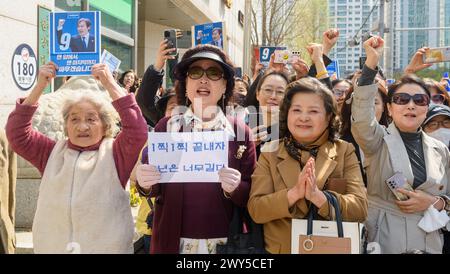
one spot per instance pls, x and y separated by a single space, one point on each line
433 219
442 134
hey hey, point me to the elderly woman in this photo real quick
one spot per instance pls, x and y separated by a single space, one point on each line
292 172
82 204
195 217
404 150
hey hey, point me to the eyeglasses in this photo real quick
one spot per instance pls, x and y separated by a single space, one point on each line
339 92
438 98
212 73
434 125
405 98
269 92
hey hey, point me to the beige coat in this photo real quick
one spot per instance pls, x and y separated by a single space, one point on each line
385 154
8 173
277 172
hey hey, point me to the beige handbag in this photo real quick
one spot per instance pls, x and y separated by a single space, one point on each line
311 236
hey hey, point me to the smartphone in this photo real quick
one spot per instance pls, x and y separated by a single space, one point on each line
437 55
362 61
399 181
171 36
295 56
286 56
281 56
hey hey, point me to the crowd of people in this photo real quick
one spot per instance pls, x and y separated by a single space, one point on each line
305 136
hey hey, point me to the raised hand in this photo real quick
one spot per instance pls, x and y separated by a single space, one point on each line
275 66
45 75
102 73
416 64
301 68
258 68
163 55
329 39
316 52
374 47
147 176
61 23
229 179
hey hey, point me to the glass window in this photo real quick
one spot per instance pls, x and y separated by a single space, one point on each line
121 51
116 15
69 5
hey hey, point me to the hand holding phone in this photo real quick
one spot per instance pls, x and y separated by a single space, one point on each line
437 55
171 37
398 181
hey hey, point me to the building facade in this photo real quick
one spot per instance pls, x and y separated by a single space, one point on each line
352 18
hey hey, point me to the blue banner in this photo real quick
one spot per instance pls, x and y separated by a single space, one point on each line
75 41
333 68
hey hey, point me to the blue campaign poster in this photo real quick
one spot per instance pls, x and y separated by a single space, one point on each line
211 33
333 68
75 41
266 52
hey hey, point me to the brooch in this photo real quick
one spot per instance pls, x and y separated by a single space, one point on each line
240 151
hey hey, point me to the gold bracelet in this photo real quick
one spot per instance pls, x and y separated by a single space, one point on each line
320 74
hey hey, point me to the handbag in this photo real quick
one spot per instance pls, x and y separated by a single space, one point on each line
312 236
244 235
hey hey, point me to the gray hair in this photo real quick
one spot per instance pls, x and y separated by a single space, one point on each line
106 111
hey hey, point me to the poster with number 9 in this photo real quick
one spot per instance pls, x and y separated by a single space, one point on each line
75 41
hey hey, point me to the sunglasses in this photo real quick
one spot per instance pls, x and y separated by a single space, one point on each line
212 73
405 98
438 98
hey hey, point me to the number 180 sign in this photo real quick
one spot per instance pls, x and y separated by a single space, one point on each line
24 66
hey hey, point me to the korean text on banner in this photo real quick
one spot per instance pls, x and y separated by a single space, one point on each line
188 156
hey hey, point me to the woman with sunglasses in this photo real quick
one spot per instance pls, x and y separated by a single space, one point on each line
195 217
405 151
438 93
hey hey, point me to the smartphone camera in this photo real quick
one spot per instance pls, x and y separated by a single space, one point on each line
171 37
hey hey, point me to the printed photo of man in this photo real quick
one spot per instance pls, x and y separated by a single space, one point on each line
83 42
217 37
199 38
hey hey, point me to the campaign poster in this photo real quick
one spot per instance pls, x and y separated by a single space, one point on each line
110 60
266 52
333 70
211 33
75 41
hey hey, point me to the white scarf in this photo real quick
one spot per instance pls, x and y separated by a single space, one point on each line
220 122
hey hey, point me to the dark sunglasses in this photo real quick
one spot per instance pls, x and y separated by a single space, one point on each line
438 98
405 98
212 73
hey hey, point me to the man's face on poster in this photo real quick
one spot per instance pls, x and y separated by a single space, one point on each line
83 29
199 34
216 35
